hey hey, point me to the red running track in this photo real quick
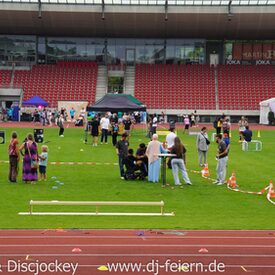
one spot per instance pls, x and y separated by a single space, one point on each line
151 251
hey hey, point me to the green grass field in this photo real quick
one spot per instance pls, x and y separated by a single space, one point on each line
201 206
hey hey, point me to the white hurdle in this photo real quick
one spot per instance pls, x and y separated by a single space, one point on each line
96 204
253 145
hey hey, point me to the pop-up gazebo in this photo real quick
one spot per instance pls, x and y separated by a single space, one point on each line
35 101
117 103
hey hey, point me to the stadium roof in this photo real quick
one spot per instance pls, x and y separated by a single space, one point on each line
215 21
154 2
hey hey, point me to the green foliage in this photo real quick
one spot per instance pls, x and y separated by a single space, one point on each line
200 206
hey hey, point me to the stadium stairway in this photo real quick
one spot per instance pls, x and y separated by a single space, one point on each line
129 80
102 82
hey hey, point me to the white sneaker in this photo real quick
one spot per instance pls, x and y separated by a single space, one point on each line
122 178
189 183
220 183
216 181
61 135
178 184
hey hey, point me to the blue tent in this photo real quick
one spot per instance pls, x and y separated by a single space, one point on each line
35 101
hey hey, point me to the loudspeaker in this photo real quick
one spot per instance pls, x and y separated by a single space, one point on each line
2 137
38 135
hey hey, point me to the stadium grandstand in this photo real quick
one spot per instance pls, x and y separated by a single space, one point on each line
176 56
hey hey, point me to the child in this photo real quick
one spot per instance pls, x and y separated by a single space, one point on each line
43 160
115 129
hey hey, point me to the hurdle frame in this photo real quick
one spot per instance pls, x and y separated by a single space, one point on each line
32 203
246 145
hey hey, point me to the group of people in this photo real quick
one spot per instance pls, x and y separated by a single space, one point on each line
32 160
109 124
147 159
191 120
177 162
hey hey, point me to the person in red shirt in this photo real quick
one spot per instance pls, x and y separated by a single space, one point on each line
13 157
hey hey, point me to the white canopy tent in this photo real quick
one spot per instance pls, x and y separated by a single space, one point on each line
265 107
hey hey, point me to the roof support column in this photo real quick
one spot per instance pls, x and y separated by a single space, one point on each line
166 10
103 10
39 9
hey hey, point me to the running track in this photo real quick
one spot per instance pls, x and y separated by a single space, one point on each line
241 251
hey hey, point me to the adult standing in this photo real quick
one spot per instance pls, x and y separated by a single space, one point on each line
30 152
44 114
186 122
154 124
49 116
94 130
105 123
13 157
60 124
193 120
170 138
202 146
226 125
122 152
178 162
127 125
153 150
72 113
150 127
222 158
219 126
114 132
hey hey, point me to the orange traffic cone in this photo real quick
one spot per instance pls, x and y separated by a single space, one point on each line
232 182
271 192
205 171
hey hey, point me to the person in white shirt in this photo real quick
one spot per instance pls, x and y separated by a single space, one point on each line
170 138
154 124
170 141
104 123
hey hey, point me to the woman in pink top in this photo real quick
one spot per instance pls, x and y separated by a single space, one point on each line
186 122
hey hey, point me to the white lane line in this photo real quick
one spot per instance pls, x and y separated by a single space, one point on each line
139 245
140 255
164 236
204 265
142 229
